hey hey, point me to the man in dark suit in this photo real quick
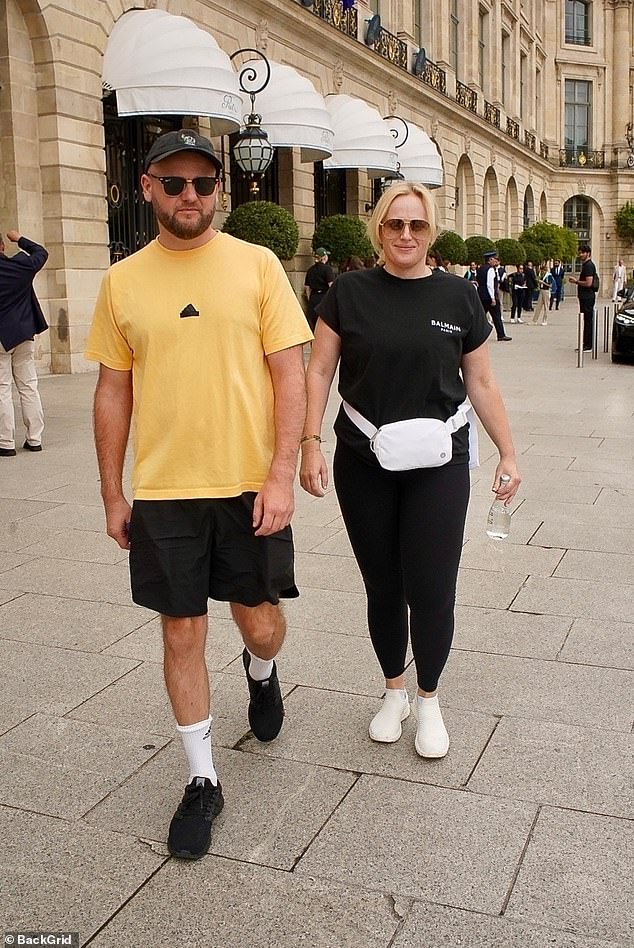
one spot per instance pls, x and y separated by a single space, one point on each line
21 318
557 271
488 292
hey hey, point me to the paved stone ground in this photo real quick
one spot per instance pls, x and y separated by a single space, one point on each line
522 836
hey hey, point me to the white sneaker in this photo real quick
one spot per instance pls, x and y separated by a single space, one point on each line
432 739
521 321
385 726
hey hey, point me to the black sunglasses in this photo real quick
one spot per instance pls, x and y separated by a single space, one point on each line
173 185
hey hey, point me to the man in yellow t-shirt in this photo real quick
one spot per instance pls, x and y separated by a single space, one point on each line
199 338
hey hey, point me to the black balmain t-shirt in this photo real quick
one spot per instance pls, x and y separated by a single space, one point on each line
402 343
586 293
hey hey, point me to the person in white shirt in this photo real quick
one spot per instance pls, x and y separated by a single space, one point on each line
618 280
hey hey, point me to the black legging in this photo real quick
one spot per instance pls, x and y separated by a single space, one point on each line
406 529
518 301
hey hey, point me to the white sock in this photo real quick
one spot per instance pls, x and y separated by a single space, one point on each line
259 668
402 692
197 743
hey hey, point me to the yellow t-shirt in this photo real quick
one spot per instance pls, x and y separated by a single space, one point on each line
203 422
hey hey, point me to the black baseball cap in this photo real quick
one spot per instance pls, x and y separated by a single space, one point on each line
490 253
183 140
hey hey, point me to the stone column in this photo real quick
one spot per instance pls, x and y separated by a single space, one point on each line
621 114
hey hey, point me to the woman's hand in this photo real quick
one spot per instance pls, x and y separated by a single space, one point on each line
506 491
313 471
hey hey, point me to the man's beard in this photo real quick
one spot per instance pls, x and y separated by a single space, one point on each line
183 229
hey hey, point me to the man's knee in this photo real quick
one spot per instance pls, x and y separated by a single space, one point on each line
184 637
258 623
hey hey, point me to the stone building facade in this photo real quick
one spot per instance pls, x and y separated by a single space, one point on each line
529 103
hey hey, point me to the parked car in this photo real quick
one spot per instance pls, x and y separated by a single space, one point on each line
623 327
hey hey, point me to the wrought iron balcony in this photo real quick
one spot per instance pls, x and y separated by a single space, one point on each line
332 12
529 140
580 157
392 48
492 114
466 97
512 129
543 150
435 77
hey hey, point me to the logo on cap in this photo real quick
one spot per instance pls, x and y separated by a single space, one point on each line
188 139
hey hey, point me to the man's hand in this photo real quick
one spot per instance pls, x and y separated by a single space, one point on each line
13 236
118 513
273 507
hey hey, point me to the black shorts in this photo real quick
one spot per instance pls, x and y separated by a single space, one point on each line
184 552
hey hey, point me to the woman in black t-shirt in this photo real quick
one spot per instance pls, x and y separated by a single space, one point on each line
410 344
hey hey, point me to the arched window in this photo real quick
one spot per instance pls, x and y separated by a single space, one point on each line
528 215
578 217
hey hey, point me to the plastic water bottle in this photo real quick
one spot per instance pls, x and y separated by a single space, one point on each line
499 518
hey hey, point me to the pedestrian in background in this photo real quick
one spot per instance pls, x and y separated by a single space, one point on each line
531 285
488 292
556 289
410 342
319 277
21 319
352 263
618 280
545 282
200 339
517 287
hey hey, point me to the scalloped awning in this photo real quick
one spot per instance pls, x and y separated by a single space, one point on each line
418 156
362 139
161 64
294 114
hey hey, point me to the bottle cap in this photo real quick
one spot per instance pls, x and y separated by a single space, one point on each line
505 478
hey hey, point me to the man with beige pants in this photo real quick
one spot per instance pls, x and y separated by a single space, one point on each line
21 319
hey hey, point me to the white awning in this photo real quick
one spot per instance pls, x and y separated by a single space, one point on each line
161 64
294 114
362 139
417 156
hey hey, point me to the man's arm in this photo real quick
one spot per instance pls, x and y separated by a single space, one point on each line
275 502
36 255
112 416
491 284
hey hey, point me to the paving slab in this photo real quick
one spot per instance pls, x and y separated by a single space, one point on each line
307 537
577 874
601 517
224 643
501 557
328 572
487 589
85 546
248 829
62 767
567 445
447 846
597 642
558 692
596 567
601 463
585 536
13 712
213 902
57 876
56 577
337 545
80 490
615 496
576 598
58 679
69 623
570 767
331 729
13 510
72 516
436 925
9 560
510 633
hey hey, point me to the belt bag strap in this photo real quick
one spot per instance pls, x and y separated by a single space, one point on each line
464 414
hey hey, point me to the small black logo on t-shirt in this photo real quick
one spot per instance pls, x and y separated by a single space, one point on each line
189 311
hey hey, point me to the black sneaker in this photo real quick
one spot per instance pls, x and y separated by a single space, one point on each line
266 709
190 829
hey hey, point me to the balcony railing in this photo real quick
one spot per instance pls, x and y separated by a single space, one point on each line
512 129
492 114
466 97
543 150
580 157
529 140
435 77
332 12
392 48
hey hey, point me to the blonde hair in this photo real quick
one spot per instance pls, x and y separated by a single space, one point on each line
382 206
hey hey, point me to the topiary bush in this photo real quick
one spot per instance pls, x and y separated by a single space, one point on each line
476 247
266 224
342 236
452 247
511 251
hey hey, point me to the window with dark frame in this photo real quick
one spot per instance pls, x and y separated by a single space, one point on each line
578 22
578 115
330 191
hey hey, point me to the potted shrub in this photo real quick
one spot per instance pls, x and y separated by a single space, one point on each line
343 236
267 224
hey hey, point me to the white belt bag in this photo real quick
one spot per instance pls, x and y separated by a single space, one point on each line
417 442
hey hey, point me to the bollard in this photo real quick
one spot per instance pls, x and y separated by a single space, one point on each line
595 332
606 327
580 341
